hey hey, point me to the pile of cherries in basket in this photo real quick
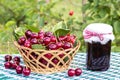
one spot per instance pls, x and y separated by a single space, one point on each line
15 64
47 39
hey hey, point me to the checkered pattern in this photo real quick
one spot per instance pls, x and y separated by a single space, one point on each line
113 72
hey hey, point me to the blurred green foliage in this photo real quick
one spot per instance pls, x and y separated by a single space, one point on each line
20 15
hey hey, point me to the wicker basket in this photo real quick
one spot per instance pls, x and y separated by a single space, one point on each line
33 57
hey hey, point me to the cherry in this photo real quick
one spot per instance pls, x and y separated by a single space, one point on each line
34 55
21 40
55 60
48 55
48 34
16 59
78 72
26 71
19 69
28 33
50 65
71 12
43 61
71 39
34 35
15 64
41 32
46 40
41 36
8 58
34 41
27 44
71 72
8 65
67 45
52 46
59 44
53 39
61 55
62 38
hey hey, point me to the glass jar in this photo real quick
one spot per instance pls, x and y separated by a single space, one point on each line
98 38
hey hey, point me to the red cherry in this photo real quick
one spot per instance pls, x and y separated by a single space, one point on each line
78 72
28 33
55 60
61 55
62 38
67 45
48 34
41 32
43 61
8 65
19 69
71 72
34 55
8 58
53 39
71 39
16 59
26 71
52 46
34 41
71 12
21 40
41 36
34 35
50 65
59 44
27 44
15 64
46 40
48 55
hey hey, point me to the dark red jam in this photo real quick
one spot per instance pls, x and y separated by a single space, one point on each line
98 56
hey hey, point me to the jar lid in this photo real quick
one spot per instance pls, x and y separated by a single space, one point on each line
98 32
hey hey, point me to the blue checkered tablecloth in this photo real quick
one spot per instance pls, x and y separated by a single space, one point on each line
113 73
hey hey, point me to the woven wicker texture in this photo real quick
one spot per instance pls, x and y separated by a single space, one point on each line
36 60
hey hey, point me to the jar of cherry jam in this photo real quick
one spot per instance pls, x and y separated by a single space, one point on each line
98 38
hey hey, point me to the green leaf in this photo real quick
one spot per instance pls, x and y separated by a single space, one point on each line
61 32
117 27
32 28
10 24
58 26
38 46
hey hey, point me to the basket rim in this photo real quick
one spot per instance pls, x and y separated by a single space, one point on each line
17 45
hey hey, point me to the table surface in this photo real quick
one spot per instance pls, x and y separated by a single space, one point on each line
113 73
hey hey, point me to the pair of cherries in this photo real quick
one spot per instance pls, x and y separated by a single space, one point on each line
16 65
72 72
